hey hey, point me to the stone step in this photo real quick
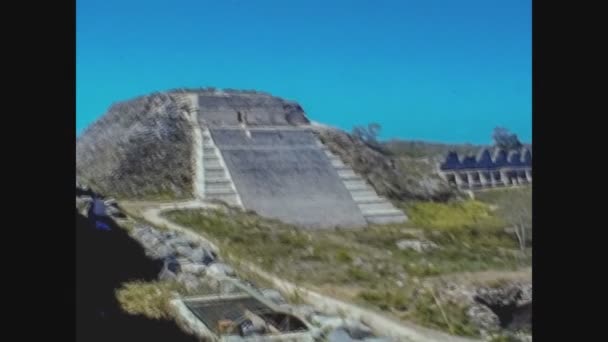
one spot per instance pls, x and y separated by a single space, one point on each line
212 173
369 199
211 163
375 206
210 157
231 199
386 219
218 186
347 173
336 162
216 179
209 150
358 193
382 212
220 191
356 184
351 178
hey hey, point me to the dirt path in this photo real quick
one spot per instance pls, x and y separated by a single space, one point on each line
485 277
402 331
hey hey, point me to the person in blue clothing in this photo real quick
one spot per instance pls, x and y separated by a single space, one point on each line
97 212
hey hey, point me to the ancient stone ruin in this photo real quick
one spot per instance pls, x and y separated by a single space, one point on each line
247 149
487 170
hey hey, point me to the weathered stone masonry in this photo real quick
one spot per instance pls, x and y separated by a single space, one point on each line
487 170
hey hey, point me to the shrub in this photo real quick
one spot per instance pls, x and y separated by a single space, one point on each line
147 299
453 216
343 256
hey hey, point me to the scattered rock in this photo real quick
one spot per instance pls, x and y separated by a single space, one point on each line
273 295
150 242
353 328
228 288
349 330
512 294
325 322
162 251
195 269
184 251
526 294
413 231
484 318
511 304
416 245
169 235
197 255
190 281
304 310
339 335
209 258
220 269
357 261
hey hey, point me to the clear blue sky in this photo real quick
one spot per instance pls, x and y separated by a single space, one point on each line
438 70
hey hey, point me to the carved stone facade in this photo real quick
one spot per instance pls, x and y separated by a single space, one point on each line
488 169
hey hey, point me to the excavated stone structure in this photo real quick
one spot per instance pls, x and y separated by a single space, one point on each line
488 170
250 150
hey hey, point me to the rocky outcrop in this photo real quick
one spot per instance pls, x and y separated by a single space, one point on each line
419 246
192 270
511 304
397 178
139 148
501 310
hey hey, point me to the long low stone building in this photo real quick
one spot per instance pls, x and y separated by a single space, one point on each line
488 169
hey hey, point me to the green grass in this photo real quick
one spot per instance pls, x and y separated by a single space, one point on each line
152 299
453 215
447 316
366 263
266 242
149 299
497 196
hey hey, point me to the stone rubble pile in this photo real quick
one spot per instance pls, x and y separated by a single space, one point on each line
416 245
193 263
503 310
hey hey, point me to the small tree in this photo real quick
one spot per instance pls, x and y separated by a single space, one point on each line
506 140
369 134
517 212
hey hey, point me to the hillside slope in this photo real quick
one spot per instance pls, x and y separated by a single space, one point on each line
396 177
139 148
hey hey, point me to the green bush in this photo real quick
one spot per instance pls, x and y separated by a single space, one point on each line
385 299
343 256
453 216
426 312
357 274
147 299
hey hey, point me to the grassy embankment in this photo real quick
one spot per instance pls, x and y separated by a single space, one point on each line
365 265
